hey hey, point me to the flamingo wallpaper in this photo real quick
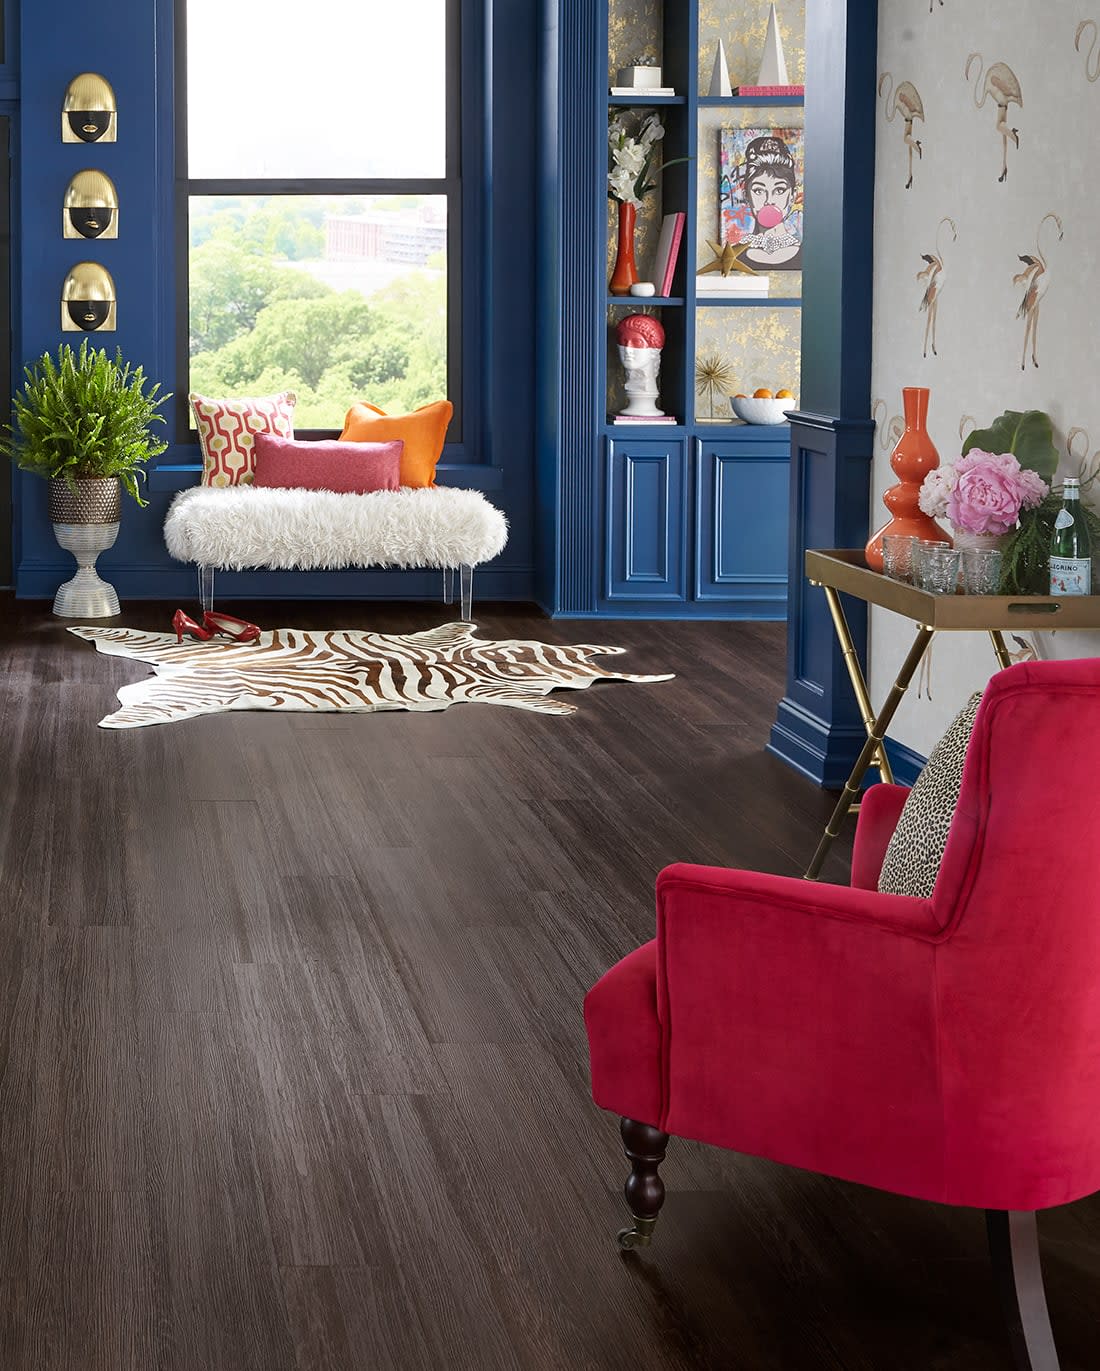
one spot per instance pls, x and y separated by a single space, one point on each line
986 262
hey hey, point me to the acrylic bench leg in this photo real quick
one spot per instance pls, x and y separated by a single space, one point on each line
448 585
466 585
206 587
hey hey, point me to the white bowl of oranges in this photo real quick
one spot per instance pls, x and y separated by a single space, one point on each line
763 407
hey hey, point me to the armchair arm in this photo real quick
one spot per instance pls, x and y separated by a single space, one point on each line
879 812
799 1021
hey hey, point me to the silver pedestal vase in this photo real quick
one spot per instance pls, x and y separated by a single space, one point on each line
85 518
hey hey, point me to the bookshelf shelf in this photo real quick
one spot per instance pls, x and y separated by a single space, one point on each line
644 301
768 302
752 101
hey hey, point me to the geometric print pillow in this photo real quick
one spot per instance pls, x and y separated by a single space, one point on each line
228 428
912 860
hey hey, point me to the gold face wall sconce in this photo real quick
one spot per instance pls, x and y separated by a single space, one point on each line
91 206
88 300
89 113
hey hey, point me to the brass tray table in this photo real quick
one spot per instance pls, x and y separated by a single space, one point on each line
843 571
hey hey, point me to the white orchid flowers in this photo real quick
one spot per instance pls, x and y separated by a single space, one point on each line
628 180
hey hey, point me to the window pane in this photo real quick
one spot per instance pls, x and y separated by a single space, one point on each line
339 299
337 88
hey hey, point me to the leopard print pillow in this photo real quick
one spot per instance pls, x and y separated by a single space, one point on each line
913 858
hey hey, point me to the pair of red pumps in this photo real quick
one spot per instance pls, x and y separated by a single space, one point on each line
240 630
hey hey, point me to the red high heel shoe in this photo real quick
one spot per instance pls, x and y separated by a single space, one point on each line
183 623
240 630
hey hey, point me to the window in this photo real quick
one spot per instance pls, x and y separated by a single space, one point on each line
322 201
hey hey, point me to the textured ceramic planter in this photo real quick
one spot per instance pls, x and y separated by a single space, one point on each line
85 518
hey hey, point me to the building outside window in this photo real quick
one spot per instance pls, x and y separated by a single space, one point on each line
320 179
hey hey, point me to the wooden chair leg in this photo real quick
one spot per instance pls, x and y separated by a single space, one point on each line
1014 1247
644 1189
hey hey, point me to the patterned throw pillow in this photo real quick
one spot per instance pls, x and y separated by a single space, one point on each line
228 428
912 860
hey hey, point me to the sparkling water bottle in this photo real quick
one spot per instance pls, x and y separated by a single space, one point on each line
1070 550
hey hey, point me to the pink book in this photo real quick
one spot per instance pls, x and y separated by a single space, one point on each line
668 250
771 90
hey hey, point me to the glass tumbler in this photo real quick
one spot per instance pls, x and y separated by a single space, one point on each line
938 568
897 555
981 570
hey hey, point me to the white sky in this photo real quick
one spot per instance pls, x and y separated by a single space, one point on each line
326 88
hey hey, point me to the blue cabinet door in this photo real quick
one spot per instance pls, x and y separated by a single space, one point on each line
645 519
741 521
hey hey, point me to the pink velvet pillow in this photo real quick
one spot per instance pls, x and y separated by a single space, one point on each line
348 468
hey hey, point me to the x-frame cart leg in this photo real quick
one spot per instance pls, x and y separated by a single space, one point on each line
855 675
874 742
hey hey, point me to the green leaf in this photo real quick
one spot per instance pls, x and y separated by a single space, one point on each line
85 415
1028 436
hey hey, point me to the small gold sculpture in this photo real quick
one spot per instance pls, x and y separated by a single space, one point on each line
726 259
713 374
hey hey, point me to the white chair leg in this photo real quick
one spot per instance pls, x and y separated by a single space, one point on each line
448 585
206 587
466 584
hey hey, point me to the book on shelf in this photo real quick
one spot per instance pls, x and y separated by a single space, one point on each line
668 251
770 90
644 419
643 92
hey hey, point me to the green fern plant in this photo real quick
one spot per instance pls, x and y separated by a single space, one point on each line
85 416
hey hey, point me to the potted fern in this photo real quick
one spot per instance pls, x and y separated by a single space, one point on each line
85 423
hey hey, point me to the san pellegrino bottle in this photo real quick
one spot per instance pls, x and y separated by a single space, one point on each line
1070 550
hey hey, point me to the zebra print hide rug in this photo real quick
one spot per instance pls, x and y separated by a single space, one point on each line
291 669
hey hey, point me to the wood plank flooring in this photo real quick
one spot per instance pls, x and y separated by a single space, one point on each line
292 1068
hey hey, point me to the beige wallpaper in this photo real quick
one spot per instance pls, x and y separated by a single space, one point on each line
987 261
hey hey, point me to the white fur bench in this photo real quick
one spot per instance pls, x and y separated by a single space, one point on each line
317 530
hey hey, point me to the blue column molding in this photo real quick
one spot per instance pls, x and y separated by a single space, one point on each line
818 729
570 295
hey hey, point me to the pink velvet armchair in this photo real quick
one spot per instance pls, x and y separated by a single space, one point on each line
947 1049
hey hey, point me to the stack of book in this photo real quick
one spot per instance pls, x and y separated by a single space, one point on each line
736 286
644 419
770 91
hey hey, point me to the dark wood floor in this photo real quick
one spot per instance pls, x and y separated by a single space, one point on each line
292 1066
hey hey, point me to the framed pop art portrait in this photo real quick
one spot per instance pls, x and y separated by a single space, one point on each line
760 195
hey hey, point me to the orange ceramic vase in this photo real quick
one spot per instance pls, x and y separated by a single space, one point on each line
913 458
625 272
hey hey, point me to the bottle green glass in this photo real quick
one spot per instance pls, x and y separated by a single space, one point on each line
1070 550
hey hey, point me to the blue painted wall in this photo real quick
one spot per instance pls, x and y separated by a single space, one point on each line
130 43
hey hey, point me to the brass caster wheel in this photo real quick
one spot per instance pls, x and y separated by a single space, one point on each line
641 1235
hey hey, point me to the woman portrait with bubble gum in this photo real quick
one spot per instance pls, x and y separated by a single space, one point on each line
770 192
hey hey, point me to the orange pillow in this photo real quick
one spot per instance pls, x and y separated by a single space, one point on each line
422 432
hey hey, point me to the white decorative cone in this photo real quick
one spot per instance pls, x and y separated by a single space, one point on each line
720 76
773 65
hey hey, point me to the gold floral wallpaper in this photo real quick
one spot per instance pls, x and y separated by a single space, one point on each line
761 347
741 25
634 30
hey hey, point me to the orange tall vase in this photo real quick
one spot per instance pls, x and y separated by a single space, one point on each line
625 272
912 459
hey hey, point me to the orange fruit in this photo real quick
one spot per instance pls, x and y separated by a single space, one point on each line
762 394
740 395
784 394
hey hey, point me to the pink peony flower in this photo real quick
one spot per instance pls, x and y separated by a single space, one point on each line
989 492
935 490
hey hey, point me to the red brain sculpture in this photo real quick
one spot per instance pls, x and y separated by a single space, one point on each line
640 331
